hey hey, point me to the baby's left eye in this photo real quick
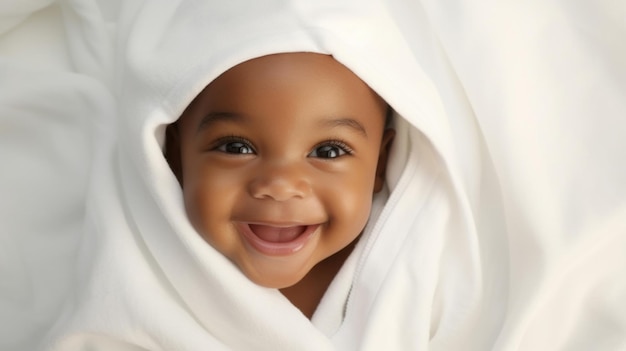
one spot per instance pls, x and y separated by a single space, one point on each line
331 150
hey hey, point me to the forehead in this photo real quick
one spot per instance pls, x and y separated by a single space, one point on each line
303 84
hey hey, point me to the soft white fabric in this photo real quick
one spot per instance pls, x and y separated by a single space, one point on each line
46 113
505 223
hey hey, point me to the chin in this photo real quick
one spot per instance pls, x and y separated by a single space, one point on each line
275 279
276 284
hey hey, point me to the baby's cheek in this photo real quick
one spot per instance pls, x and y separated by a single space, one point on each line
200 202
353 204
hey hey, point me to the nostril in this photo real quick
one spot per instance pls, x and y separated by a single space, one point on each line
279 189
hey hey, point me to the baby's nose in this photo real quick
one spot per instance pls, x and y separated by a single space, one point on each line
280 182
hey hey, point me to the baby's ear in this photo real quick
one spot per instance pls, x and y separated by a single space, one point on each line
383 155
172 151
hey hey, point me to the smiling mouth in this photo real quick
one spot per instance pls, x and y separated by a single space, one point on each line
277 240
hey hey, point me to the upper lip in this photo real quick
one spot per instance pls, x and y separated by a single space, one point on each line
280 224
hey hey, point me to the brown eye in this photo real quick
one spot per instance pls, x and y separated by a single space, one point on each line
236 148
331 149
234 145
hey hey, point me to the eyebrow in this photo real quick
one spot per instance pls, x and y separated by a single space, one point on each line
213 117
345 122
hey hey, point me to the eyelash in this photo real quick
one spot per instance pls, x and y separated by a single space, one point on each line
336 143
224 141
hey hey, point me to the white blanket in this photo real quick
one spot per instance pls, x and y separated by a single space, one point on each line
504 223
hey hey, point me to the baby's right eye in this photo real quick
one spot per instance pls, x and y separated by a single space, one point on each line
234 145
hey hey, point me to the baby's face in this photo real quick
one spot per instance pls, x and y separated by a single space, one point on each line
279 159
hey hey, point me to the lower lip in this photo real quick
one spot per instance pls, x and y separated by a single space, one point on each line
277 249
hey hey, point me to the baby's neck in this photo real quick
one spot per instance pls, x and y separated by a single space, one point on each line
308 292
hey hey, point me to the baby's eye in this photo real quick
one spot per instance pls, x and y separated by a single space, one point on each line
235 146
332 149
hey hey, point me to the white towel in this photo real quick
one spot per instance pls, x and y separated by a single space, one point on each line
46 112
504 227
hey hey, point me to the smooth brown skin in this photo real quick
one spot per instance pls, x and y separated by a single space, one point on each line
262 157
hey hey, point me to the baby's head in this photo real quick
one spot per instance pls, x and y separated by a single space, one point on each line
279 158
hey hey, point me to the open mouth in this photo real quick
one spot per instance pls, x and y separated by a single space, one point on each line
277 240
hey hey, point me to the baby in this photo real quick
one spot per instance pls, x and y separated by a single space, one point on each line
278 159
